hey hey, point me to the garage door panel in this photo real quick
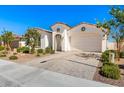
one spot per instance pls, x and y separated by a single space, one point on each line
86 41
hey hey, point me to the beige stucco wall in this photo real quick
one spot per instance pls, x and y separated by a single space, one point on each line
63 27
46 38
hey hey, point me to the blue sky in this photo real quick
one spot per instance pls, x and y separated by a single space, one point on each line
19 18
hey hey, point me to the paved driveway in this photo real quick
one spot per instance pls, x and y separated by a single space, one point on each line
70 63
17 75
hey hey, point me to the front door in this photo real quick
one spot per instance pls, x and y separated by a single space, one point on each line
58 42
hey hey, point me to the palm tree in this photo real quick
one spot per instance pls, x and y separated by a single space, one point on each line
32 37
7 38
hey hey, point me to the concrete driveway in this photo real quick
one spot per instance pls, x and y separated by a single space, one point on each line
17 75
69 63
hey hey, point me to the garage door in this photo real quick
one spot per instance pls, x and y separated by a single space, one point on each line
85 41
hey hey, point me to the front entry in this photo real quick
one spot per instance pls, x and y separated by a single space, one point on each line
58 43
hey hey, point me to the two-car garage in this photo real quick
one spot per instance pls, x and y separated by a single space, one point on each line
86 41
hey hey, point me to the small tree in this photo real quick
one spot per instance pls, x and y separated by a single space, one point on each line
115 27
7 37
32 37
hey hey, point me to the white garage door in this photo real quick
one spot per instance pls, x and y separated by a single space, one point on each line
85 41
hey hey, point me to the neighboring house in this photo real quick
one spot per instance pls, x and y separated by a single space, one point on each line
113 46
14 43
84 37
122 46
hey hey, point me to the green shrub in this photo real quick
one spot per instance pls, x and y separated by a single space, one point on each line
14 53
19 49
105 55
110 70
38 55
2 48
23 49
40 50
48 50
13 57
2 55
52 52
122 55
44 53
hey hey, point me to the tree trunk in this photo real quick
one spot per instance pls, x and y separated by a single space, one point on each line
32 49
118 51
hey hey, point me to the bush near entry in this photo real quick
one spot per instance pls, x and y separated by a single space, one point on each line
19 49
110 70
52 51
2 55
48 50
23 50
13 57
105 55
40 50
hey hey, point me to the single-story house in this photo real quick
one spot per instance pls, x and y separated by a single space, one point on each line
62 37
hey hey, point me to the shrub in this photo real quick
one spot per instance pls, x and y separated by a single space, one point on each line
52 52
2 48
13 57
19 49
2 55
110 70
25 49
14 53
122 54
38 55
105 55
44 53
40 50
48 50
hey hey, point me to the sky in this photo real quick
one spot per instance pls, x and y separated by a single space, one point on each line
19 18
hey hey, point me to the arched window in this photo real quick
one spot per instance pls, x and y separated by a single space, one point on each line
58 29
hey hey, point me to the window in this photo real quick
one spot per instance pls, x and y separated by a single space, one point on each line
83 29
58 29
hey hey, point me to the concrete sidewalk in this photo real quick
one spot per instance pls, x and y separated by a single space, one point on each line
17 75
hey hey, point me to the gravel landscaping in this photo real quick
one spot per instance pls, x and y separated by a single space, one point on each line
100 78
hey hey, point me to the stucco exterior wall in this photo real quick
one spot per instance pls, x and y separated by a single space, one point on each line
62 27
46 38
104 43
